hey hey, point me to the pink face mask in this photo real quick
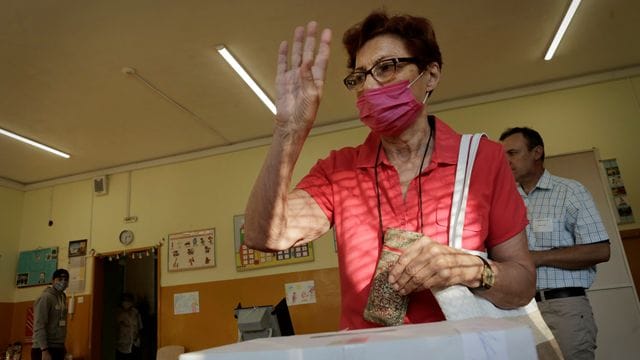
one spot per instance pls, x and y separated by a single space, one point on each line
391 109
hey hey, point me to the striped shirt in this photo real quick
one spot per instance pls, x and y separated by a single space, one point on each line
561 214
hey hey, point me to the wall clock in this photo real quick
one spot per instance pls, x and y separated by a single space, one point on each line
126 237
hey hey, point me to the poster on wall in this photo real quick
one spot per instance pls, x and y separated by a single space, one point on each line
36 267
192 250
77 271
618 191
77 248
303 292
249 259
77 265
186 303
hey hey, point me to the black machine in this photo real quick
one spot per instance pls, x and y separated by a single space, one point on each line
263 321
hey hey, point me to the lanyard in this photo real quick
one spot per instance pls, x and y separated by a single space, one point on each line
60 301
375 171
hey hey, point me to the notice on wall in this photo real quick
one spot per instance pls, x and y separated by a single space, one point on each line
77 270
298 293
618 191
77 265
192 250
186 303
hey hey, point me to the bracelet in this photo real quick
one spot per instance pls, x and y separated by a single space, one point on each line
45 349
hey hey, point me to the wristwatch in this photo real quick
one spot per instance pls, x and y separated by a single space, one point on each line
486 279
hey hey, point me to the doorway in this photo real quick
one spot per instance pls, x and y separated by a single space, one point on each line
134 273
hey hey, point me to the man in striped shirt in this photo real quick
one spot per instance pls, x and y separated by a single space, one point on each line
566 239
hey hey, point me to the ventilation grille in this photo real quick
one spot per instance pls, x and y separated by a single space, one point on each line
100 185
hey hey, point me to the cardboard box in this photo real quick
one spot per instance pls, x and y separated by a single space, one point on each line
481 338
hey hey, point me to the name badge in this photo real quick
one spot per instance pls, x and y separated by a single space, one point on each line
62 323
542 225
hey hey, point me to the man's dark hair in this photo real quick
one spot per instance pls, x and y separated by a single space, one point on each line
532 137
416 33
60 273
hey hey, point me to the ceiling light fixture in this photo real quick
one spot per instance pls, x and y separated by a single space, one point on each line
34 143
573 7
222 50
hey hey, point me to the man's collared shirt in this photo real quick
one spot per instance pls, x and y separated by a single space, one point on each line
561 214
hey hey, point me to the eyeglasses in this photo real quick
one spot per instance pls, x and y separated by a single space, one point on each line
382 72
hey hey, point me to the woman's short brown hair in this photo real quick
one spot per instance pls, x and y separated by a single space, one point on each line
416 33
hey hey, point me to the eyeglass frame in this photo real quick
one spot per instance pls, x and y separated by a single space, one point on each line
394 61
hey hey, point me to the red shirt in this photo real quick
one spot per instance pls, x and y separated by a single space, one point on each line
343 185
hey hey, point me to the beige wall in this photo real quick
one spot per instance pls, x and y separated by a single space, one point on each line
605 116
10 217
69 206
208 192
190 195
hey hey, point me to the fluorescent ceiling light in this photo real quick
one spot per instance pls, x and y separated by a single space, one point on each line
222 50
563 27
34 143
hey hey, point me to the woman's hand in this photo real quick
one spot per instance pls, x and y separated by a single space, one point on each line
427 264
300 81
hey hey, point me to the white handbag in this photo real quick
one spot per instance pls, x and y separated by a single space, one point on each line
458 302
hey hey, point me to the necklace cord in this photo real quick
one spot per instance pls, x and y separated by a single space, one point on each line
375 171
379 203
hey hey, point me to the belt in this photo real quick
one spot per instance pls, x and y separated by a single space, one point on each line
559 293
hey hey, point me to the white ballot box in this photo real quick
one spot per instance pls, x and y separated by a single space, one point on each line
481 338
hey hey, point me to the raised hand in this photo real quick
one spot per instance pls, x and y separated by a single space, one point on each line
300 80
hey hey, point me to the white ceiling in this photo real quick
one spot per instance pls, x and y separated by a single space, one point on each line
61 79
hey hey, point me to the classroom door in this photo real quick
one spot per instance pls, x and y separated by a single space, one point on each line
115 274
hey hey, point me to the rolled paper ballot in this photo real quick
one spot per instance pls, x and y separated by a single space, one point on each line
385 305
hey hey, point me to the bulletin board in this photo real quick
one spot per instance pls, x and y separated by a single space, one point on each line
36 267
192 250
249 259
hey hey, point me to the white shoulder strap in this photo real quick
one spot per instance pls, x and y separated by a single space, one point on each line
466 158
